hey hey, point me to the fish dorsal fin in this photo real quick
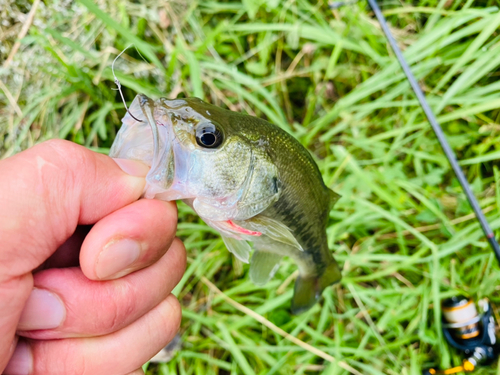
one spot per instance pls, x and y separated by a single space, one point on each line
334 197
240 248
263 266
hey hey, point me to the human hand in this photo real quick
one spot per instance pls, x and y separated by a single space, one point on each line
107 319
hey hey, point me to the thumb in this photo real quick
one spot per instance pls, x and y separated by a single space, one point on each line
45 192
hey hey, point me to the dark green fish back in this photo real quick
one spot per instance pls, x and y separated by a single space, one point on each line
304 202
303 206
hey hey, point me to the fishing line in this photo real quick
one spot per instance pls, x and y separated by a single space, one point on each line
450 155
140 54
119 85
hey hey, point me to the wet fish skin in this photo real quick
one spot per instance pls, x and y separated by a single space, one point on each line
260 185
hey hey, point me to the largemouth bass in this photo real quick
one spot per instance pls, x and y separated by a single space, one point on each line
245 177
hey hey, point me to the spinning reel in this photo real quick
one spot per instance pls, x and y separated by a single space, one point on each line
471 332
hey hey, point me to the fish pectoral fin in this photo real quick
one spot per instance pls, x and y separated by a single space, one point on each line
242 230
240 248
229 229
263 266
274 230
309 289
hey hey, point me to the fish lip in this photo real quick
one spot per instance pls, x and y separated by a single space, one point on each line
143 100
147 105
148 109
173 104
159 178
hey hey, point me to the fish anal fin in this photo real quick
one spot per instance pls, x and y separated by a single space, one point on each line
309 289
263 266
240 248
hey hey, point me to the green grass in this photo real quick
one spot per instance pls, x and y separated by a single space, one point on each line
402 229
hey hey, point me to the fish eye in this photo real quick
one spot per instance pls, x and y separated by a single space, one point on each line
208 135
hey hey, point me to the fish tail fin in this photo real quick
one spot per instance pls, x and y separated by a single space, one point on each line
309 289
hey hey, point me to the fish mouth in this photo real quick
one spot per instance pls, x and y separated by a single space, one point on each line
134 139
147 135
144 138
162 173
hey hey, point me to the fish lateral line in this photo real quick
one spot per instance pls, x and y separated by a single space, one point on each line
242 230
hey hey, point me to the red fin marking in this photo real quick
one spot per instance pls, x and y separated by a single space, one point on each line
241 230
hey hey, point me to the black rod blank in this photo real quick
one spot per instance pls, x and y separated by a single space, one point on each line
438 131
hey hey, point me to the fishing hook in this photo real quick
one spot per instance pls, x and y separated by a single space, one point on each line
119 86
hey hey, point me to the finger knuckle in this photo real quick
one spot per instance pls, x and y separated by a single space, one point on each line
70 156
121 306
60 146
48 354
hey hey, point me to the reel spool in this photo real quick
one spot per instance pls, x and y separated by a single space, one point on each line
469 331
460 318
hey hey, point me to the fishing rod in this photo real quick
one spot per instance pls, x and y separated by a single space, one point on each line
464 328
450 155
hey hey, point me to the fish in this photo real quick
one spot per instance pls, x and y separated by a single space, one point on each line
245 177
